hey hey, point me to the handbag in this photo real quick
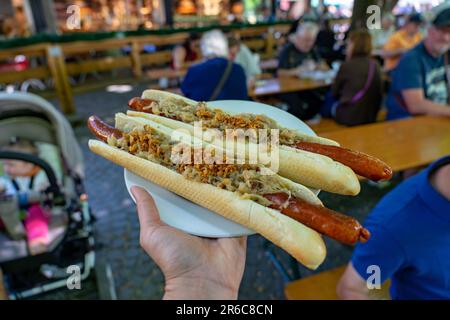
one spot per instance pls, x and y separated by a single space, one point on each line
360 94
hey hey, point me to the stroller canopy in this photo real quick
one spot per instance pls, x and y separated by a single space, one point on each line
65 138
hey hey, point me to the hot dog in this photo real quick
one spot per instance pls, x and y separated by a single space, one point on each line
157 103
271 205
310 169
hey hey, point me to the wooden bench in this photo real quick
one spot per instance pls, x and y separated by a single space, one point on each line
328 124
168 73
322 286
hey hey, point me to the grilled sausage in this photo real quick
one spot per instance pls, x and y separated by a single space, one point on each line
140 104
101 129
333 224
361 163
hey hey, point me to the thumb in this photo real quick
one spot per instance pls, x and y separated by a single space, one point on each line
147 211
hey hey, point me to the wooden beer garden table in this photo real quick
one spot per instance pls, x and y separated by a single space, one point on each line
403 144
279 85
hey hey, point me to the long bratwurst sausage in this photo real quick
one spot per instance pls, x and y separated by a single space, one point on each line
361 163
333 224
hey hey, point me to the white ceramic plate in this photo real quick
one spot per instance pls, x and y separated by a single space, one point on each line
191 218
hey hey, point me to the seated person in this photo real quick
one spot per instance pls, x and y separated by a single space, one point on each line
419 83
326 42
380 36
401 41
298 56
187 53
216 78
410 241
241 54
21 177
357 91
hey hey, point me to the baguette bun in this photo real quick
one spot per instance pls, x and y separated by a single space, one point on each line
309 169
164 96
303 243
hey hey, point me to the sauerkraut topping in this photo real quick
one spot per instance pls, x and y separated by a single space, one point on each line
244 179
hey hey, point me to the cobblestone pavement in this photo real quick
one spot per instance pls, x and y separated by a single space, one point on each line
117 230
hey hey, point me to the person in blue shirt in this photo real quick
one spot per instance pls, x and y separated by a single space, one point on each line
210 80
410 241
420 83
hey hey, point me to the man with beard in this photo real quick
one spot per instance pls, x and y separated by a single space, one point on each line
420 83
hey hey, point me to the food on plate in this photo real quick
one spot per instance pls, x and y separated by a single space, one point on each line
286 213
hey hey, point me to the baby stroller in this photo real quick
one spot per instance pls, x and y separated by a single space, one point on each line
70 252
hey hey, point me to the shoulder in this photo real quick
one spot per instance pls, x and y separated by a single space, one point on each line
398 34
411 58
398 206
395 37
417 51
355 64
238 70
375 63
288 47
203 66
244 49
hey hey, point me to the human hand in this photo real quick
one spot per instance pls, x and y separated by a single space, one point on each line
193 267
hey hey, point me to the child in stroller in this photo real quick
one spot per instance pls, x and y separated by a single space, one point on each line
19 177
69 229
